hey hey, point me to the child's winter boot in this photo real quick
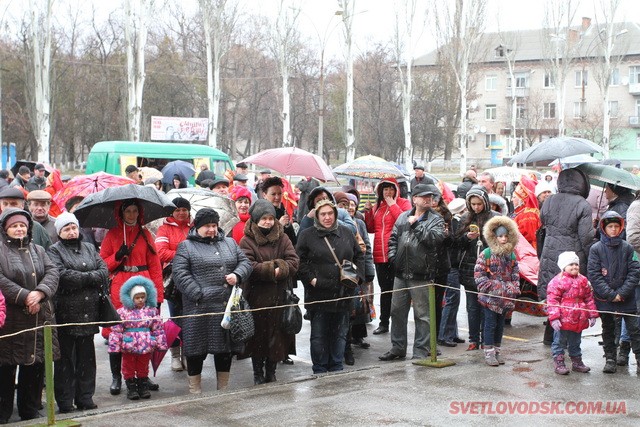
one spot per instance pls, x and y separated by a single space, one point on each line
560 367
578 366
132 389
499 357
143 388
490 356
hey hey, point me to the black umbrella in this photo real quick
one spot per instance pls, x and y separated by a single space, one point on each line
30 164
97 209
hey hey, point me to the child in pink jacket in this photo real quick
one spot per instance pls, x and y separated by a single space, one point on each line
571 309
140 332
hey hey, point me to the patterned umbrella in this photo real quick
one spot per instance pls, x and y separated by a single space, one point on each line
293 161
83 185
200 198
148 172
369 167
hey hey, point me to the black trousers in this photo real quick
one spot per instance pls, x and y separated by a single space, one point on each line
75 372
30 380
221 360
609 333
385 273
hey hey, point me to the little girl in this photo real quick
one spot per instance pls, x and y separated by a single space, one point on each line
138 335
571 309
496 276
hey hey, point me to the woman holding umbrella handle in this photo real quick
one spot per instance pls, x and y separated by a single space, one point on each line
128 250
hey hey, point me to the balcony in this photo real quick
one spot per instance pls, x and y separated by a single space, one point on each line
634 88
634 121
521 92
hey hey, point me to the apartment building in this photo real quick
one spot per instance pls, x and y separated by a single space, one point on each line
516 98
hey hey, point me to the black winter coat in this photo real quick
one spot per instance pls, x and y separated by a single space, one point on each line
413 248
83 274
317 262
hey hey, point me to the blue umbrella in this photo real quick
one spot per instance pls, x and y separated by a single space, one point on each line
177 167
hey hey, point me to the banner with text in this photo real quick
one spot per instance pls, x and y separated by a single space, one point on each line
179 128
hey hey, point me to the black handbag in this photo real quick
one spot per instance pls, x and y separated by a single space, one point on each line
106 311
291 316
348 271
241 326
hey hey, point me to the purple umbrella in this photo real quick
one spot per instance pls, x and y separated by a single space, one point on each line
171 330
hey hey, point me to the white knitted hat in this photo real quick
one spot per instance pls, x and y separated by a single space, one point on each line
566 258
137 290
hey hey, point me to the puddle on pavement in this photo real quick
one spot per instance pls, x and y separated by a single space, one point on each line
536 384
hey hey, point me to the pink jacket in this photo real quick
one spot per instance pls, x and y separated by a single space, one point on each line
140 332
3 310
567 293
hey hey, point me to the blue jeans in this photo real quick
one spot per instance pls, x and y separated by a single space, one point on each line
448 323
406 293
493 327
328 340
563 339
474 317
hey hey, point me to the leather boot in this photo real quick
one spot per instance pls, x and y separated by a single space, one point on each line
623 354
115 360
578 366
560 367
610 366
176 360
258 370
348 355
195 384
548 334
271 371
132 389
223 380
143 388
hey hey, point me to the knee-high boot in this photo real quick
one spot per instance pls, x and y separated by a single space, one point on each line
115 360
271 371
258 370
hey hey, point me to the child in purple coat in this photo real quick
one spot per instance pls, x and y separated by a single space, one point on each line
140 332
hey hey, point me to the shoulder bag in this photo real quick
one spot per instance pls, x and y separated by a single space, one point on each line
292 315
348 270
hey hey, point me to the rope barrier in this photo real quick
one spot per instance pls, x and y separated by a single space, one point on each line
310 303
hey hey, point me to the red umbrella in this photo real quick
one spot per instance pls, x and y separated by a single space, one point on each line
83 185
293 161
171 330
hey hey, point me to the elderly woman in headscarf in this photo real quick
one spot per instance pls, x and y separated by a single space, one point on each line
28 281
205 268
275 264
83 275
128 250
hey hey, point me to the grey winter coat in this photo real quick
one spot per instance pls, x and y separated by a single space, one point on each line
199 270
82 275
25 267
567 219
633 225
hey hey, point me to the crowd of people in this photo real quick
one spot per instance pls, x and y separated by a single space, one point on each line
55 271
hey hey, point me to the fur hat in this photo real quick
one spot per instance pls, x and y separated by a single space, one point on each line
206 216
65 219
566 258
181 202
261 208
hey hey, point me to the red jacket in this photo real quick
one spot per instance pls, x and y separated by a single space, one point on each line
142 255
237 232
169 236
381 219
567 293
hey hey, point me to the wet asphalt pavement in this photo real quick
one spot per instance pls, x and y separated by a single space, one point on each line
373 392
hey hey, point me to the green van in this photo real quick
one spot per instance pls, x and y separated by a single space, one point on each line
114 156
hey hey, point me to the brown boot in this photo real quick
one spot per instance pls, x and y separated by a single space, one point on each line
578 366
223 380
560 367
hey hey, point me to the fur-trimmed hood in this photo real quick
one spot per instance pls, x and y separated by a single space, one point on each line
152 295
492 240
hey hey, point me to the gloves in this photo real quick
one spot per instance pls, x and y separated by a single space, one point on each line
122 252
556 325
592 322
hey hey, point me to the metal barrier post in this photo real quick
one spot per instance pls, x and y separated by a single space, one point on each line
433 361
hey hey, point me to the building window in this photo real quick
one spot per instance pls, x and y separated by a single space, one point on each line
637 107
548 81
488 139
582 78
578 109
549 110
521 79
615 77
634 74
613 109
490 112
521 109
638 141
491 82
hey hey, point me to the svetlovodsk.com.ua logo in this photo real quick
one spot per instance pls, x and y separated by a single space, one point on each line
530 407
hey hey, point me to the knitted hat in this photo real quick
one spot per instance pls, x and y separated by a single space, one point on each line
65 219
16 218
457 205
501 231
566 258
340 196
353 198
181 202
261 208
137 290
239 192
206 216
543 186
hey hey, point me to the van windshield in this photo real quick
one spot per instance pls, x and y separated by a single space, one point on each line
218 166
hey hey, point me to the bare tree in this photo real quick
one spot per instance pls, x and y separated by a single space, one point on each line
219 18
458 33
559 44
348 11
39 72
136 15
404 39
